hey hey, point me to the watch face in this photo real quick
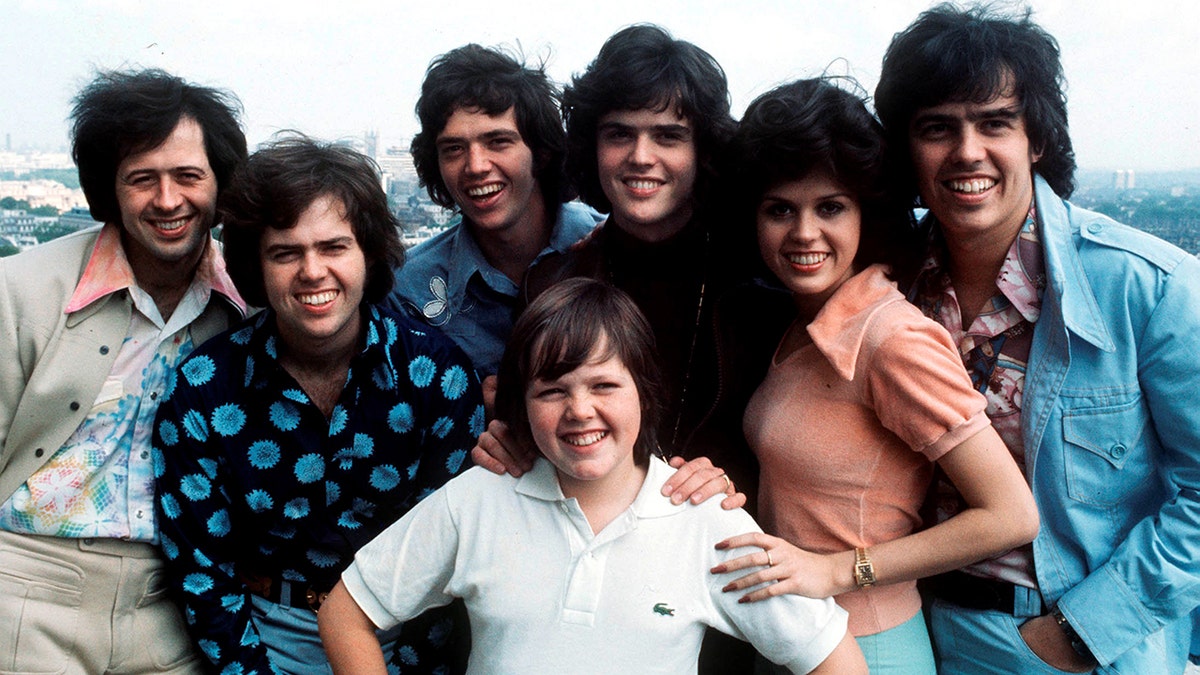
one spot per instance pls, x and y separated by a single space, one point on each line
865 574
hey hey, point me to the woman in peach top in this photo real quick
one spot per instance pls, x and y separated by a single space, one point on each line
864 394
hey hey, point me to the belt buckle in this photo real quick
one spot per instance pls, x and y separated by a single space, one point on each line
315 599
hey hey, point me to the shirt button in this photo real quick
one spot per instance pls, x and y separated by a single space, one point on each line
145 454
1095 228
1117 451
154 396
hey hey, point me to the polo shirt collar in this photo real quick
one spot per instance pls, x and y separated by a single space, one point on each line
541 482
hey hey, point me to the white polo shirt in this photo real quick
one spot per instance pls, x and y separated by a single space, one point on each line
545 595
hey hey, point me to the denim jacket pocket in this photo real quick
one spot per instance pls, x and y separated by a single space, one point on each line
1104 450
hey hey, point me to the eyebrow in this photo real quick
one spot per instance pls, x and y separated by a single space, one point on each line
154 170
485 136
674 128
776 197
276 248
1010 112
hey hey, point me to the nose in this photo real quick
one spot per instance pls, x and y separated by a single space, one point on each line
642 153
477 160
804 227
970 147
579 407
167 196
311 267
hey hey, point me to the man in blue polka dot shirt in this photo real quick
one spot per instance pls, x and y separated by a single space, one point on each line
289 441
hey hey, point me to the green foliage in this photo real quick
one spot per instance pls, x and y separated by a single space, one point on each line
7 249
47 232
68 177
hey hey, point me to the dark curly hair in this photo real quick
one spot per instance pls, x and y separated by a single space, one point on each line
491 80
278 184
122 113
640 67
973 54
559 332
815 126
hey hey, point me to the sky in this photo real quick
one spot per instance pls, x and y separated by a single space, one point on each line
336 69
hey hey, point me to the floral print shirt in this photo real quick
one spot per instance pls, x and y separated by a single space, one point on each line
100 483
995 349
254 480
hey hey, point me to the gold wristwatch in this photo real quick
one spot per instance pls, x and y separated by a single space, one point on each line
864 571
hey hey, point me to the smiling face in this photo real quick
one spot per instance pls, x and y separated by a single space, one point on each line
586 423
647 169
489 171
314 274
167 197
808 234
974 166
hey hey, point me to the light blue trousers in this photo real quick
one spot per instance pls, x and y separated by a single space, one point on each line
903 650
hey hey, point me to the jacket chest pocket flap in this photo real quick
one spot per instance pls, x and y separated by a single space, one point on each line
1104 451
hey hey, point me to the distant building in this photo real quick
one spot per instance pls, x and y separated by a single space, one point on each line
77 218
43 192
371 142
1123 179
19 227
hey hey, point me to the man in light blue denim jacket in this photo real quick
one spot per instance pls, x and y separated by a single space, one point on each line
1083 334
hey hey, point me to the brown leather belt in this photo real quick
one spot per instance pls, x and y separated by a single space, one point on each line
284 592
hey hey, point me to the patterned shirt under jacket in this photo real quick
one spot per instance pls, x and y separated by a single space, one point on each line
254 480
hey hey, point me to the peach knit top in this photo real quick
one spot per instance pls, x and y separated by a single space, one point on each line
846 430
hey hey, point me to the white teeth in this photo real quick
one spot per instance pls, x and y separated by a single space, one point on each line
585 439
806 258
485 190
973 186
317 298
169 225
643 184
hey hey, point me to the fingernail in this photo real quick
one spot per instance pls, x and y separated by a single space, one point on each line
727 588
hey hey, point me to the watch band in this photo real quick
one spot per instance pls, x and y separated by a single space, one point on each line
864 570
1077 642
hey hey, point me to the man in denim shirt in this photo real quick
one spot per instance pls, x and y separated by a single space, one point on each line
492 145
1081 332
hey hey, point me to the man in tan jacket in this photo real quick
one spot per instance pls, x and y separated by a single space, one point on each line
91 328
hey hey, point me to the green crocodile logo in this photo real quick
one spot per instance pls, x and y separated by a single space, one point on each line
661 608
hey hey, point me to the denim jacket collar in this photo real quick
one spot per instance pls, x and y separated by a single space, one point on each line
1067 281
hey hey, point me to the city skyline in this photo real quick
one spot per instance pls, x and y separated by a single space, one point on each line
337 73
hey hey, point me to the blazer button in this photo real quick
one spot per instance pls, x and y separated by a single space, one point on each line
39 452
74 405
1117 451
103 349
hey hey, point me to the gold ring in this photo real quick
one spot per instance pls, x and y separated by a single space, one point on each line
728 483
770 563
